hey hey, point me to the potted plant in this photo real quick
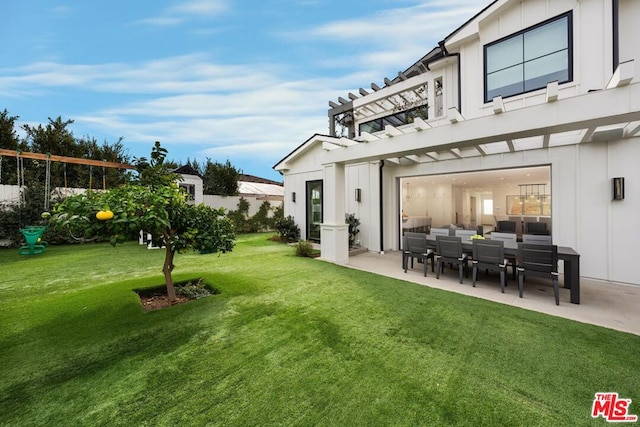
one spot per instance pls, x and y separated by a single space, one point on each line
353 222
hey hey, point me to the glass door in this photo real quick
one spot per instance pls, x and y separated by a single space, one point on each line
314 210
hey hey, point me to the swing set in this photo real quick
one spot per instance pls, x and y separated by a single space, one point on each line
33 234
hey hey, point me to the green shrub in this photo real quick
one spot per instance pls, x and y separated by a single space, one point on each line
240 217
243 223
304 248
194 289
288 230
261 221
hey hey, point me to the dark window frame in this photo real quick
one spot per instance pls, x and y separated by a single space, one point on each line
569 16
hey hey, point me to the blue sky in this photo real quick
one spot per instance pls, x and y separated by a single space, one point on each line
246 80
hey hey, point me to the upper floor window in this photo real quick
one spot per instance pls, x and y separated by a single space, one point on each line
530 59
397 119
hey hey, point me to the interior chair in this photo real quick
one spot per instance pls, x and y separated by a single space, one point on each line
538 261
449 249
415 247
539 239
489 254
512 239
440 232
536 228
506 227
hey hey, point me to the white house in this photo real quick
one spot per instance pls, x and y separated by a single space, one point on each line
529 110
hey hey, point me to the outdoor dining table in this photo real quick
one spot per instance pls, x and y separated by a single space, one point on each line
569 257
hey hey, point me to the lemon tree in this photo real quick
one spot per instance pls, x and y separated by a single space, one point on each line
155 204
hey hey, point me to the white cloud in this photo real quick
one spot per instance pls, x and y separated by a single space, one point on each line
394 38
200 7
183 11
183 74
259 110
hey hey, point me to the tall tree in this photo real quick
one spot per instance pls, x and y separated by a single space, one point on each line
9 140
220 179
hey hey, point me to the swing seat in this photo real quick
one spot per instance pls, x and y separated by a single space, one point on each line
31 235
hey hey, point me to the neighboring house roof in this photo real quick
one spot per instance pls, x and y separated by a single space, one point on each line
187 170
252 178
260 189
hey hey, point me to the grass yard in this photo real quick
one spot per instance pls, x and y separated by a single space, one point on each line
288 341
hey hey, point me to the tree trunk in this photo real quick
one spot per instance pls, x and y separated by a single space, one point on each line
167 269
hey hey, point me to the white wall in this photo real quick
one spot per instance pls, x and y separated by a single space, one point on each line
230 203
592 48
196 181
9 194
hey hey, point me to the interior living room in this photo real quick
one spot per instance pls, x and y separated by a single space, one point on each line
514 200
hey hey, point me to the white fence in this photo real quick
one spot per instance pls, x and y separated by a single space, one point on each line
10 194
230 203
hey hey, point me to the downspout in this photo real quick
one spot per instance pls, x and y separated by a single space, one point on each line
381 209
457 55
615 10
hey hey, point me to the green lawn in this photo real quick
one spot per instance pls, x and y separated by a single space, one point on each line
288 341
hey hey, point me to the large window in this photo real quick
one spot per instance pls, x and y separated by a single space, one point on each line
530 59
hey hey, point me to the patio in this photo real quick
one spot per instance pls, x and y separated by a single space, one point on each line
607 304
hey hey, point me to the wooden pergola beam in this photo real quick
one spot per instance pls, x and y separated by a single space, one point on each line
64 159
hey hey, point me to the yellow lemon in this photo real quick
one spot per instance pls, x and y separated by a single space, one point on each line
104 215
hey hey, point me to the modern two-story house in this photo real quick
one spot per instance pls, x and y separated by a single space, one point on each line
528 111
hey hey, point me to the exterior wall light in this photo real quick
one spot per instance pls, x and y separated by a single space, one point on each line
618 188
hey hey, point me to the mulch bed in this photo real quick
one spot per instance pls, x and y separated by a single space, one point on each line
158 299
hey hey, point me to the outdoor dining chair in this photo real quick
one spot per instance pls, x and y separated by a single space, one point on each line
538 261
508 237
449 249
415 247
489 254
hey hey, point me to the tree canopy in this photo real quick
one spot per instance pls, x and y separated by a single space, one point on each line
220 179
57 138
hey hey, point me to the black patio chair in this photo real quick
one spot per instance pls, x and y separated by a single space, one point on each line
449 249
513 239
489 254
538 261
415 247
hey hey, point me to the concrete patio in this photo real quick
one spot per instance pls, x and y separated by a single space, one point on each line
607 304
